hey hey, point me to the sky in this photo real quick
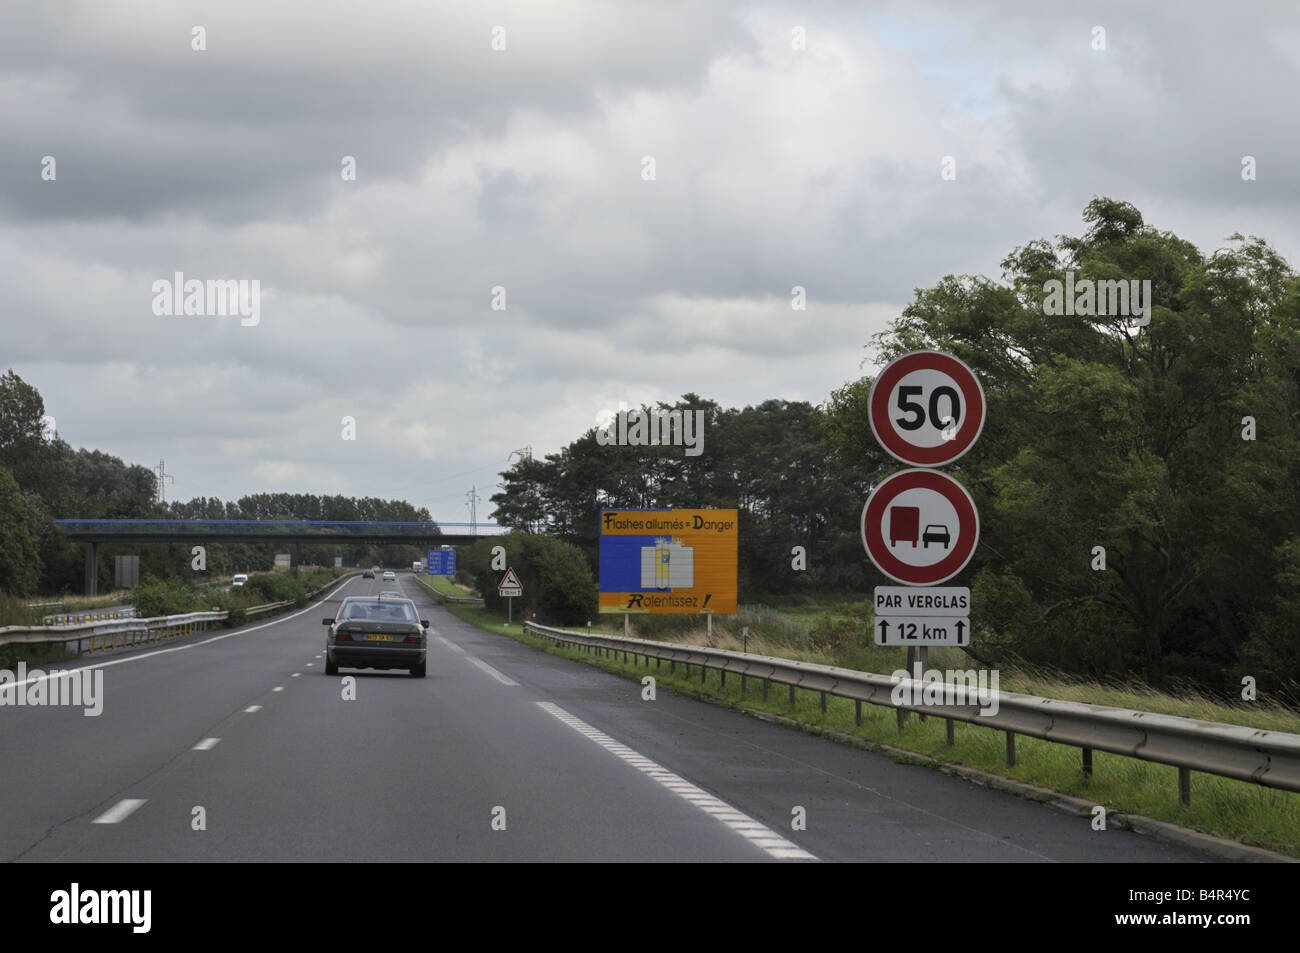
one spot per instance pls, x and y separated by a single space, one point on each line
560 207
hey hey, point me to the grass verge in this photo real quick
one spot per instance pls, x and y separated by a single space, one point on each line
1235 810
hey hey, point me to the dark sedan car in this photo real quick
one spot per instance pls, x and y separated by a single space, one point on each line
368 574
371 633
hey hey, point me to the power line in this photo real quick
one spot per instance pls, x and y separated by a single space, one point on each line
163 477
472 498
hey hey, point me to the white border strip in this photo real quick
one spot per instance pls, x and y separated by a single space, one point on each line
758 834
503 679
120 811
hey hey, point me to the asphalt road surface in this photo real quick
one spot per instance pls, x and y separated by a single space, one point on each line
235 746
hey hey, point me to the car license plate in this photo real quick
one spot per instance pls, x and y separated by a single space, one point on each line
377 637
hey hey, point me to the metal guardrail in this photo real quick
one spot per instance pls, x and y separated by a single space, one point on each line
1267 758
78 616
123 633
110 635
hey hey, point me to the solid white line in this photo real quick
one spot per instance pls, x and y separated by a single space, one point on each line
120 811
252 708
13 686
451 645
278 688
295 674
503 679
207 744
756 833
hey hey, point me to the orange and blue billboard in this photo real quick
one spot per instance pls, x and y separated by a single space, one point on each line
668 561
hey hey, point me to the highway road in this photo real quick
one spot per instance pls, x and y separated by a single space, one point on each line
568 759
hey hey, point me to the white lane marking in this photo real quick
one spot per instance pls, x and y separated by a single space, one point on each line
278 688
310 664
207 744
295 674
753 831
318 656
451 645
13 686
503 679
252 708
120 811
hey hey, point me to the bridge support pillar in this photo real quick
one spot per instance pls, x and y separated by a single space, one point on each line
92 569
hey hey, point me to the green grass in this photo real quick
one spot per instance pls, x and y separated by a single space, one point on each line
445 586
1235 810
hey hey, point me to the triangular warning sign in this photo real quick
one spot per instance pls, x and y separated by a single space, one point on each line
510 582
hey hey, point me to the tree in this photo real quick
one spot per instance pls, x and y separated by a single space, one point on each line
19 561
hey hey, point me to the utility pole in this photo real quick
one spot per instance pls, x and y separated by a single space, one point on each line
472 498
163 477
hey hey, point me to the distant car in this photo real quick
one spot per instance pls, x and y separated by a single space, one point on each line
935 533
390 576
368 574
240 579
374 633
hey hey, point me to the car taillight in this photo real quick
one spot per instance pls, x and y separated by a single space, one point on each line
413 638
342 637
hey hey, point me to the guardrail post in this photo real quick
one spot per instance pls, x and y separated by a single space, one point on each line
766 682
722 678
901 716
704 673
823 703
1087 762
1011 749
857 711
1185 785
791 696
948 729
742 683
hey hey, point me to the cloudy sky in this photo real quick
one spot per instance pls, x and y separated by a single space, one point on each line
792 145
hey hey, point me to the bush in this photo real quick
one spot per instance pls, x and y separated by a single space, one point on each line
158 597
557 581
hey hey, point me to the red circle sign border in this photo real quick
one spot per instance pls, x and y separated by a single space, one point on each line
967 516
972 395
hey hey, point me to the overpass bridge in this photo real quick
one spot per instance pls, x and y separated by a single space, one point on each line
94 532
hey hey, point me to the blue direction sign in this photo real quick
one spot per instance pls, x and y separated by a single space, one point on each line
441 562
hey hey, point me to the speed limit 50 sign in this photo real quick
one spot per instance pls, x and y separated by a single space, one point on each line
927 408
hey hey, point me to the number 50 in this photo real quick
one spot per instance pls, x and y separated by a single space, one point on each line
915 408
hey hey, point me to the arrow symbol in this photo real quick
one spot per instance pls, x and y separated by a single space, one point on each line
961 632
884 630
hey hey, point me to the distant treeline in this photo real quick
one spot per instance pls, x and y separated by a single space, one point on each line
42 479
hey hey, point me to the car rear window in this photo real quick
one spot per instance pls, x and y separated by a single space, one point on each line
379 612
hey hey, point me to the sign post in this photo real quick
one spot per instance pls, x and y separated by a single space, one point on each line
509 588
919 526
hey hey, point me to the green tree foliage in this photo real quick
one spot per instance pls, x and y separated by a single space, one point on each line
18 554
773 463
557 581
1102 434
